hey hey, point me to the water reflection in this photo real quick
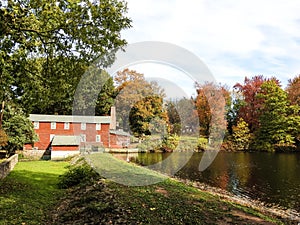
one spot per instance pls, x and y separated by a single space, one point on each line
270 177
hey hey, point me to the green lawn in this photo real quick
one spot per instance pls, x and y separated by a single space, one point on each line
28 196
30 191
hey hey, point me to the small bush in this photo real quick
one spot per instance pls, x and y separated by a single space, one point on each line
202 144
170 142
77 175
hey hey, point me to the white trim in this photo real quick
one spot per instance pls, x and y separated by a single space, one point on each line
67 126
83 126
69 118
36 125
98 126
59 155
53 125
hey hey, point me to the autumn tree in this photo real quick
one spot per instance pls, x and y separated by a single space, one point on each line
148 117
249 108
132 87
293 90
211 103
241 137
3 138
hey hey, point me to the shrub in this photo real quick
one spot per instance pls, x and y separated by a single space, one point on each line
170 142
77 175
202 143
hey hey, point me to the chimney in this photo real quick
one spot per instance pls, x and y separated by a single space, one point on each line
113 118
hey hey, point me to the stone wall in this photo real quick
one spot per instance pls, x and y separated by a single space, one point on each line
8 165
35 154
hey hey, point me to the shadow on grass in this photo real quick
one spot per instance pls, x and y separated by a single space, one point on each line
26 196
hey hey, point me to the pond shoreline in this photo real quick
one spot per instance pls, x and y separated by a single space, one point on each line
290 215
266 208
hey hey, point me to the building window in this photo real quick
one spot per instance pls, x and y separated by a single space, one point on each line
98 126
98 138
66 125
82 137
36 125
53 125
83 126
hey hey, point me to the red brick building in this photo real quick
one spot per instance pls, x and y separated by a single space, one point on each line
67 135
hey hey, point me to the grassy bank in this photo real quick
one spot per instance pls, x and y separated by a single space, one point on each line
167 202
30 191
30 195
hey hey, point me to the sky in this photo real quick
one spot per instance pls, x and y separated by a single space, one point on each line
234 38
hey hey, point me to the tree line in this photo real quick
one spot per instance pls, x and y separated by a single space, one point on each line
47 45
264 116
259 114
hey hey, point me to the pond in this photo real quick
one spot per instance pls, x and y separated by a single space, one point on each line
273 178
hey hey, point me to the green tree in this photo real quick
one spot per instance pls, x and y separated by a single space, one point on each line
241 136
250 104
106 98
174 118
273 132
18 128
232 113
46 45
293 123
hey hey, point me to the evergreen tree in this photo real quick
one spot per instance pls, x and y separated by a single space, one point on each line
273 132
106 98
174 118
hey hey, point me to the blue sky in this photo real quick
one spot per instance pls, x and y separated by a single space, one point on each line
233 38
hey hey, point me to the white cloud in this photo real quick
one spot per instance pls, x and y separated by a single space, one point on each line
175 83
235 38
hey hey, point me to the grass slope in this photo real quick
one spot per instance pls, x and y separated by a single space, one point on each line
29 195
167 202
30 191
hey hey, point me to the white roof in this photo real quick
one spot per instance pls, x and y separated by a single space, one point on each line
69 118
120 132
61 140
